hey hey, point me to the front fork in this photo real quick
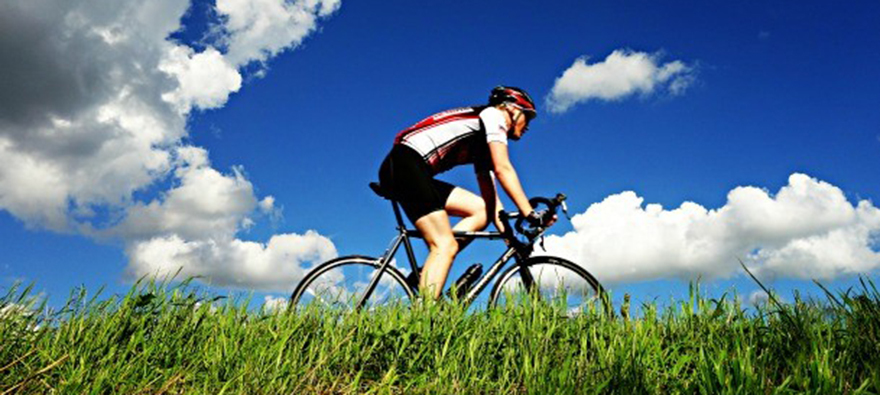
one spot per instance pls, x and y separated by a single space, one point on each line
521 256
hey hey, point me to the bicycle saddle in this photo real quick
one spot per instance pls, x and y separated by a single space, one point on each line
382 192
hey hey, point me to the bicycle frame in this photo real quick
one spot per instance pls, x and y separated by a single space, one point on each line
515 249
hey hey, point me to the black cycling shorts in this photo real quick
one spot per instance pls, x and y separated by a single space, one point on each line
409 179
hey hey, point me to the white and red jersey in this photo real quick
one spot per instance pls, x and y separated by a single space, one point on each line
456 137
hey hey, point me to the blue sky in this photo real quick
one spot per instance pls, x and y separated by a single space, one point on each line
774 88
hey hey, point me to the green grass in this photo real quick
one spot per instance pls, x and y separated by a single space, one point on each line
175 339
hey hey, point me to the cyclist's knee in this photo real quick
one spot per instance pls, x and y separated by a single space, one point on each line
481 220
445 245
478 215
450 246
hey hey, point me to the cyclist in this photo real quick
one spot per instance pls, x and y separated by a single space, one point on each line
468 135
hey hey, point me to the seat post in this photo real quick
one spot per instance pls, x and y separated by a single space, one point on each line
400 224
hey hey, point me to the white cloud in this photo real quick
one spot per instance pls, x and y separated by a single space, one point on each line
259 29
758 297
93 108
274 304
93 128
807 230
274 266
206 78
206 203
621 74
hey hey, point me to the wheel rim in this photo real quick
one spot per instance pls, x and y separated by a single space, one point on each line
340 286
561 286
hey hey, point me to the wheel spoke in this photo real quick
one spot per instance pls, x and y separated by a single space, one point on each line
340 284
556 281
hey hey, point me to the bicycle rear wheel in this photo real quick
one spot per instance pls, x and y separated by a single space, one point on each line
340 283
554 280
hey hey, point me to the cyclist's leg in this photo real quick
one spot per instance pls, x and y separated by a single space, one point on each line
472 210
423 199
442 247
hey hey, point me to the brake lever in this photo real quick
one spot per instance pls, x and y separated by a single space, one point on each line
565 210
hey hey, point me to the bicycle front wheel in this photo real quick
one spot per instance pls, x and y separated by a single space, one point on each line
340 283
554 280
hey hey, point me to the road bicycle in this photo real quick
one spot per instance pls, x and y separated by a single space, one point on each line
356 282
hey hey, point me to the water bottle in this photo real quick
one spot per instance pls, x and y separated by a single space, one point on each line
464 283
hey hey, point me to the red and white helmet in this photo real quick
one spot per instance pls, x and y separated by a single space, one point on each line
516 96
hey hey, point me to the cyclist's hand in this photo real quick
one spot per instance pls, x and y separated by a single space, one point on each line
535 219
541 218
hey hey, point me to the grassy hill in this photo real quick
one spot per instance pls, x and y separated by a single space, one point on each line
175 340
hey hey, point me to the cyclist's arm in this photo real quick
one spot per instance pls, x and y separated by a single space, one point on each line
508 178
486 180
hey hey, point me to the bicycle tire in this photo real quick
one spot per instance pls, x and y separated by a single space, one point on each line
335 284
556 277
